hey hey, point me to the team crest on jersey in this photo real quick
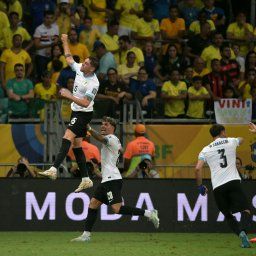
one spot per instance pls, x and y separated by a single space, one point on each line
73 120
253 152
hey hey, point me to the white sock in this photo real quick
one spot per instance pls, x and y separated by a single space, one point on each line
147 213
85 178
86 233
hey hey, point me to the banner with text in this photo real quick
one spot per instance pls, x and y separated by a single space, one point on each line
41 205
233 111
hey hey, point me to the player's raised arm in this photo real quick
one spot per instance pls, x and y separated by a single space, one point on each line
96 135
67 53
252 127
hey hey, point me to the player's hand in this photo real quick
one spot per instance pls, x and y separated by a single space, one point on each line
65 93
252 127
64 38
202 190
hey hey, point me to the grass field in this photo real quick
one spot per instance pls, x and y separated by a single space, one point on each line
120 244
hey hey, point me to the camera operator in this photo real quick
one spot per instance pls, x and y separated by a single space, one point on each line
139 156
22 169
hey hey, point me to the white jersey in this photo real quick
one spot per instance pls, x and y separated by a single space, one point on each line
84 86
221 158
109 159
46 35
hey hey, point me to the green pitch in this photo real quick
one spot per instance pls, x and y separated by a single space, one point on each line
120 244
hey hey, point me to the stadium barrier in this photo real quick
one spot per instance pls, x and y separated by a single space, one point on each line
40 204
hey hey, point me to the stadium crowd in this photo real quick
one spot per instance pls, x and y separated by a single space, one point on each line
175 57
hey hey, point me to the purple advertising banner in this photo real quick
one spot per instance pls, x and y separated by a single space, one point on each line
40 204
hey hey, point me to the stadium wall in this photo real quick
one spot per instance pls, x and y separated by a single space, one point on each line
43 205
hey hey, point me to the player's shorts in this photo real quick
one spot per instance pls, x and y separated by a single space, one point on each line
109 192
230 197
78 122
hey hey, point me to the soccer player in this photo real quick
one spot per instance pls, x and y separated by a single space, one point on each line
85 88
109 191
226 182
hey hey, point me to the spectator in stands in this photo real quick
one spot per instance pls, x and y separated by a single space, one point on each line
88 35
75 47
199 68
246 86
22 169
57 53
114 92
160 8
239 167
229 92
174 93
189 12
144 90
129 12
195 26
241 32
15 6
228 65
110 39
98 11
188 76
12 56
173 28
240 59
139 156
46 35
216 81
46 90
37 11
250 61
4 23
56 69
92 155
15 28
64 16
197 95
150 59
212 12
129 69
200 41
81 12
67 73
212 51
106 59
253 92
146 28
171 60
126 46
20 92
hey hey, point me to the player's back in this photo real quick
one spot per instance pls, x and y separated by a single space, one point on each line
109 158
221 158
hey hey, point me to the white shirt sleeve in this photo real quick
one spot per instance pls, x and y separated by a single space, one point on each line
76 66
201 156
235 141
112 142
37 33
92 89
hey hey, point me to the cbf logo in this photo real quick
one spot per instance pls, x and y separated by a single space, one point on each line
253 152
73 120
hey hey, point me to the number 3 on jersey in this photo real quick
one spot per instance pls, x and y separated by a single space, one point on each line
223 157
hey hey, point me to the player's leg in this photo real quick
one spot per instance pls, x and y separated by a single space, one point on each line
81 162
114 198
66 143
90 221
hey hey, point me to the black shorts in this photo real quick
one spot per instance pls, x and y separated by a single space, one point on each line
78 122
230 197
109 192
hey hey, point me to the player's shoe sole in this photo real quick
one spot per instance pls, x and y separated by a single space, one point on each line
84 185
81 239
245 240
51 174
154 218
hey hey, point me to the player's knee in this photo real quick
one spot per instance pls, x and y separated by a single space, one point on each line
247 211
94 204
115 208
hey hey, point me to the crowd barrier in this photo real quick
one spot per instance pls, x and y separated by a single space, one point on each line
44 205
